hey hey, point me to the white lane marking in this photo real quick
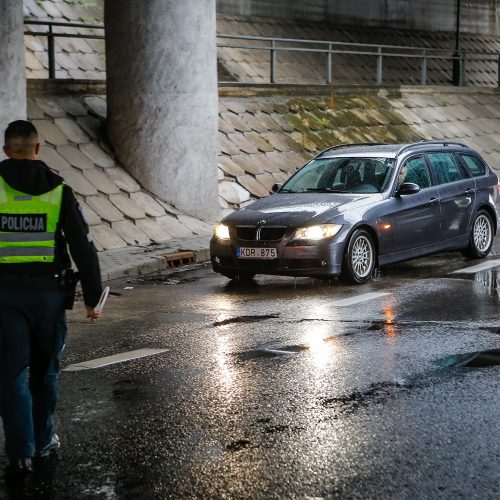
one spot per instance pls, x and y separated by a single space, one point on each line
111 360
358 298
480 267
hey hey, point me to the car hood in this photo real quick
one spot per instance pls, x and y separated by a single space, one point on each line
294 209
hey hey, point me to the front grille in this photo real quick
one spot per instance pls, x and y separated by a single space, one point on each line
268 233
272 233
246 233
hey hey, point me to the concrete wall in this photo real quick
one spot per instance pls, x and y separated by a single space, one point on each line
12 71
477 16
162 98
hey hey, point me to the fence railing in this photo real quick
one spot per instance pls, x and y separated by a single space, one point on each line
458 59
51 35
273 45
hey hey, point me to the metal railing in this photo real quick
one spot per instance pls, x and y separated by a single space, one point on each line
378 51
52 35
276 45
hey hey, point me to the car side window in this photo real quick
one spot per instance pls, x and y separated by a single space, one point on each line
446 168
415 170
474 164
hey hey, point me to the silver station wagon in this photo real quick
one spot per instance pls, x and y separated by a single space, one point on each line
358 206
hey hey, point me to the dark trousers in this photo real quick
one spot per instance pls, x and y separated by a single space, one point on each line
32 335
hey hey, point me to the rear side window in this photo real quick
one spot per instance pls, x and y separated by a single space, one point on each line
416 171
446 168
475 165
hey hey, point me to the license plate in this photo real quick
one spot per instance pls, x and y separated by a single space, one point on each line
256 253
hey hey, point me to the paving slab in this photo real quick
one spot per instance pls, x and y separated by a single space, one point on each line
75 157
253 186
97 155
130 232
90 124
50 107
71 130
172 225
127 206
229 167
156 232
233 193
50 133
107 238
79 184
101 181
104 208
195 225
250 163
122 179
90 216
148 204
54 160
71 106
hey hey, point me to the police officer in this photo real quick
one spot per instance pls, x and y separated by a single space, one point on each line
39 219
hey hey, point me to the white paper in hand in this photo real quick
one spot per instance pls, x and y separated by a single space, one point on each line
102 300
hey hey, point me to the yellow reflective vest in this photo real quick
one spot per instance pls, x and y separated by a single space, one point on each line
28 224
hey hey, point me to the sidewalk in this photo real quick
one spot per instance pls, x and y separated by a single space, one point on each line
133 261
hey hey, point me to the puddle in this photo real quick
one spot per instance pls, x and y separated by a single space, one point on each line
164 280
479 359
245 319
376 393
238 445
271 353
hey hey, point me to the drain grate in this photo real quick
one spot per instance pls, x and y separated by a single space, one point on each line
178 259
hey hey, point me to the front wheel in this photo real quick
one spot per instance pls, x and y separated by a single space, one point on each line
359 258
481 237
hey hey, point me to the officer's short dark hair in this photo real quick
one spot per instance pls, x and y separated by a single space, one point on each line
20 129
20 136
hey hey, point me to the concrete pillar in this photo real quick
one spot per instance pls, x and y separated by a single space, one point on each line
12 69
161 63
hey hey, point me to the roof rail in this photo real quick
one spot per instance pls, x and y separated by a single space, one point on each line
349 145
427 143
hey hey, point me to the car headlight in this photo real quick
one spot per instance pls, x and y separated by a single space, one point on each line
317 232
221 232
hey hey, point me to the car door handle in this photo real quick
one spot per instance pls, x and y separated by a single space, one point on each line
469 192
432 201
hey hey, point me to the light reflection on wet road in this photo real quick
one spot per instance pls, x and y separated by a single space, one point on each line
274 390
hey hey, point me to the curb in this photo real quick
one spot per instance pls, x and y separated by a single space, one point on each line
139 261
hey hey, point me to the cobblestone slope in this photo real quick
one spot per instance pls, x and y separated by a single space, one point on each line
264 139
119 212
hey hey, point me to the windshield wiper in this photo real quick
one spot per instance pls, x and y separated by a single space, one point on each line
287 191
325 190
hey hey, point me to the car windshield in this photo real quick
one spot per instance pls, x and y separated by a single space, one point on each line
341 175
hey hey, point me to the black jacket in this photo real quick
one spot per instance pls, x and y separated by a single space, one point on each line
35 178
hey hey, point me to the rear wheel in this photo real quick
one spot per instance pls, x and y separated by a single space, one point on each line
359 258
481 237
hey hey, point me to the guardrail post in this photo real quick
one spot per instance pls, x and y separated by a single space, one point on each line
423 70
379 66
329 76
462 69
52 53
273 61
498 74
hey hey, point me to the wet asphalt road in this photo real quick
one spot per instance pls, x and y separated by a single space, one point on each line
276 390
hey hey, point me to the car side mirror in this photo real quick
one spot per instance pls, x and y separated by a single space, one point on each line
276 187
408 188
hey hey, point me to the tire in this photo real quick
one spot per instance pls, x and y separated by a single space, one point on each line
481 237
359 258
